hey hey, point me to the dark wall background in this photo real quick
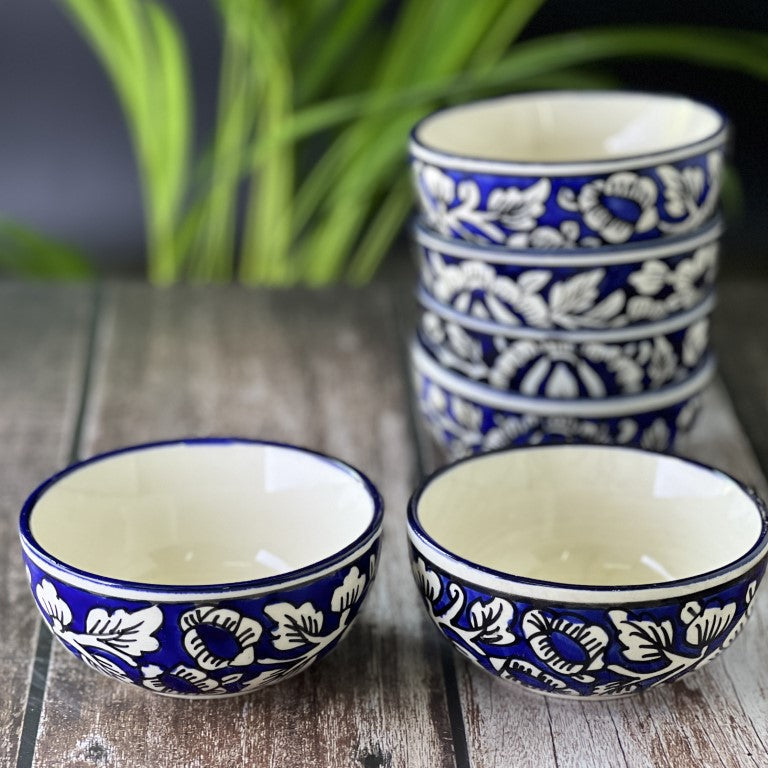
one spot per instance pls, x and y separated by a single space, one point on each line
67 169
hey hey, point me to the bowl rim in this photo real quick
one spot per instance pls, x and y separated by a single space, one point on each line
420 151
127 589
547 590
673 323
597 256
614 406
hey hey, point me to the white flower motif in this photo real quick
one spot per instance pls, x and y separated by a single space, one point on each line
705 624
547 634
695 342
519 209
350 592
195 681
219 637
625 188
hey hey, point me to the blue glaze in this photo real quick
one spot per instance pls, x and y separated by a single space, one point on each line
558 366
206 647
203 640
623 286
462 426
577 649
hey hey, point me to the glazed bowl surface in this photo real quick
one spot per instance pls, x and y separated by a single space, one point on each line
465 417
587 571
567 363
202 567
586 288
569 167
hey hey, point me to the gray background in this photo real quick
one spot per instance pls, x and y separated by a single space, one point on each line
65 160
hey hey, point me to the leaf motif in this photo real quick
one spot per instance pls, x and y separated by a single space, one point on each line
705 624
491 621
296 625
642 640
566 199
429 582
104 665
53 605
575 295
350 591
650 278
124 632
533 280
608 308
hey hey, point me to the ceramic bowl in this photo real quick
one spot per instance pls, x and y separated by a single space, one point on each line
584 288
569 168
465 417
567 364
631 570
205 567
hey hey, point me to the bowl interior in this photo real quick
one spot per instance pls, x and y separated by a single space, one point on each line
202 513
568 127
589 515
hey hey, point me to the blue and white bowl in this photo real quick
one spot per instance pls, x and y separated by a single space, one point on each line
609 287
587 571
567 364
465 417
542 170
205 567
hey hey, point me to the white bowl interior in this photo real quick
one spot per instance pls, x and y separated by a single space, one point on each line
591 516
568 127
202 513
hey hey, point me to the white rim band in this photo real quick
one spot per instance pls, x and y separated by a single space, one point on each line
184 594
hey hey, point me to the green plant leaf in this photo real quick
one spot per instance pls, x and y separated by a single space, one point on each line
26 253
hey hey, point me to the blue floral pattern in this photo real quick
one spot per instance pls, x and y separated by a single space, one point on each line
590 210
571 297
563 368
581 650
221 647
462 427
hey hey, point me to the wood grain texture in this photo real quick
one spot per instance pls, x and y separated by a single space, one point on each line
318 369
43 333
740 334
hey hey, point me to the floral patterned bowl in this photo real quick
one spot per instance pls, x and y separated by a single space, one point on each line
636 568
610 287
569 168
465 417
569 364
205 567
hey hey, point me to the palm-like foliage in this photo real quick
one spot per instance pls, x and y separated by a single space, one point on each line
315 103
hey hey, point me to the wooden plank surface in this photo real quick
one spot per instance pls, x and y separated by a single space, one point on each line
326 370
316 369
43 342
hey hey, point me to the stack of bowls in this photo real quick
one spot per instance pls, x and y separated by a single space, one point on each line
567 247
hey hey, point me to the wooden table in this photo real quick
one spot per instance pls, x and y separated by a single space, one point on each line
85 369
